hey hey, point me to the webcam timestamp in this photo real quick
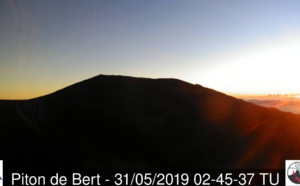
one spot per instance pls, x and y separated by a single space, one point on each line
194 179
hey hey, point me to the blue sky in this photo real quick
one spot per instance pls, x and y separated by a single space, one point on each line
237 47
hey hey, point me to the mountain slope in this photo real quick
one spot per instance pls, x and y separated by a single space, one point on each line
125 122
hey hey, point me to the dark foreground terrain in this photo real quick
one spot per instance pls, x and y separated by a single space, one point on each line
109 122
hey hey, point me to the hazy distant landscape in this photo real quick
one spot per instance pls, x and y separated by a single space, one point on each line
283 103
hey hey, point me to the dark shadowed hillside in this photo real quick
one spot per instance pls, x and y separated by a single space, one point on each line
125 122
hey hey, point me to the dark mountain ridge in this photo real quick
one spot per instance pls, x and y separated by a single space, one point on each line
123 122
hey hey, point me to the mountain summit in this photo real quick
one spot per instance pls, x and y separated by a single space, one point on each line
124 122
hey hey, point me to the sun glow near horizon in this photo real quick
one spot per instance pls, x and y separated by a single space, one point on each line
268 67
265 67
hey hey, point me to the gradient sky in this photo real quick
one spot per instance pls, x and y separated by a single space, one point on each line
236 47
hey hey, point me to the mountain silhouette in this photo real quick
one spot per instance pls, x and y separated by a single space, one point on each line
109 122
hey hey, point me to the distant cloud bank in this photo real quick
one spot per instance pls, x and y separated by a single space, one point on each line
283 103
